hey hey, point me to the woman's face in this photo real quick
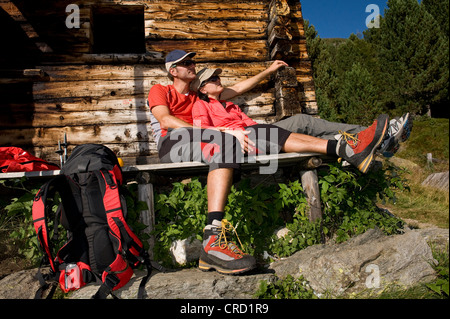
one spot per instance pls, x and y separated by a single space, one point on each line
212 86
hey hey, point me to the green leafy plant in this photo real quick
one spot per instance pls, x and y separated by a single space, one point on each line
288 288
24 236
180 214
350 197
19 215
441 285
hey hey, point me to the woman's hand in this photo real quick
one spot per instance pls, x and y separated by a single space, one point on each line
276 65
247 145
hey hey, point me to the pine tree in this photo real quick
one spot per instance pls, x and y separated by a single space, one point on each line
413 57
439 9
358 96
322 56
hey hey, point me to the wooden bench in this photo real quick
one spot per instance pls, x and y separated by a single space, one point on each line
305 163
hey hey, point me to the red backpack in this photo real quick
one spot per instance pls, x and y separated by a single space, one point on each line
15 159
101 246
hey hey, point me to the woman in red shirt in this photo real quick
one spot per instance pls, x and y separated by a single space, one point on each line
211 111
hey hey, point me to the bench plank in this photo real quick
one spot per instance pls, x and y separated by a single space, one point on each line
250 163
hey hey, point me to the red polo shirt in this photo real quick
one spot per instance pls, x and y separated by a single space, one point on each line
215 114
180 105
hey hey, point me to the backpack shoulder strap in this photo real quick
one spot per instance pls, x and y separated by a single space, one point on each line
131 244
39 213
115 214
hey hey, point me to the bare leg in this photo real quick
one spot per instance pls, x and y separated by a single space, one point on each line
219 185
305 143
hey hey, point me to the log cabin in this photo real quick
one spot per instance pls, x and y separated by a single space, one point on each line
84 68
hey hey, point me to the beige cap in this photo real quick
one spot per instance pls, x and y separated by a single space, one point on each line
202 76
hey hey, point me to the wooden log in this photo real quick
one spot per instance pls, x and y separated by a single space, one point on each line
102 134
309 164
209 50
289 51
205 29
85 57
286 93
111 89
132 153
92 89
310 183
279 8
235 71
257 107
223 10
20 76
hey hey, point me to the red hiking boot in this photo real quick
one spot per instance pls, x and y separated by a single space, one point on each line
220 253
359 149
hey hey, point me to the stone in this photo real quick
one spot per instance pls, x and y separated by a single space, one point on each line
186 284
19 285
186 251
437 180
348 267
370 260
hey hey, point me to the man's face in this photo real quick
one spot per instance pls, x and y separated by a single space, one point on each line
184 70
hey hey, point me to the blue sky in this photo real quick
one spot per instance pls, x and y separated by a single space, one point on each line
339 18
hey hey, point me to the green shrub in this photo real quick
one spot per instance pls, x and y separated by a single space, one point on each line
348 199
18 214
349 205
288 288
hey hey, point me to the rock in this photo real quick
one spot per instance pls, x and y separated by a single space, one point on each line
282 232
401 162
370 260
437 180
187 284
186 251
355 265
435 237
19 285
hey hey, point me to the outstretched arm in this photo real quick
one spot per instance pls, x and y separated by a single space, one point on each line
249 84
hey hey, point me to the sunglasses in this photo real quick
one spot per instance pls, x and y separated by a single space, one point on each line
185 64
214 78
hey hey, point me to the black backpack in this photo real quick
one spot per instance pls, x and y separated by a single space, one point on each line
101 246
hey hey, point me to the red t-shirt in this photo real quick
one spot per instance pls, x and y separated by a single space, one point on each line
215 114
180 105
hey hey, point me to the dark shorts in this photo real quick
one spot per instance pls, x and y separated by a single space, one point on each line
217 149
269 139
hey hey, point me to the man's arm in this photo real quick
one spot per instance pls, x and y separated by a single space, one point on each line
167 120
249 84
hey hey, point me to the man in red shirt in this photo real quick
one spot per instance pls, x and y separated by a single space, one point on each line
180 141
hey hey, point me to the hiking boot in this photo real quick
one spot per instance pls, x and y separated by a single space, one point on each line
398 132
220 253
359 149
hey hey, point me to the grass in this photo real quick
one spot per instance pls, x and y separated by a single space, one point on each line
426 205
421 203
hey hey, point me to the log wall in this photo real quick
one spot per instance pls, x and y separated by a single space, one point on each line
101 98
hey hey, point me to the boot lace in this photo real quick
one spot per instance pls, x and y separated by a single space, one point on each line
227 228
350 139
